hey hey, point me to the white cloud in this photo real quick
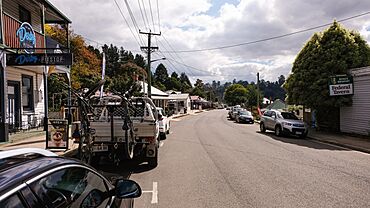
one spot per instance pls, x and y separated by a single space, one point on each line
188 25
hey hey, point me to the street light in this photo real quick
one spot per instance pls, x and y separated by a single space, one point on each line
164 58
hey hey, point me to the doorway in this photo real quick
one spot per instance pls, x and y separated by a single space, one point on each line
14 108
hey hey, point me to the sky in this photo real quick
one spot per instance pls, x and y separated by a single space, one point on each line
203 24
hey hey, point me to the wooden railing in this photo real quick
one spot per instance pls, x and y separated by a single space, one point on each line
11 40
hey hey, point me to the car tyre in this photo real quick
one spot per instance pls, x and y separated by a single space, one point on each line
278 131
153 161
262 128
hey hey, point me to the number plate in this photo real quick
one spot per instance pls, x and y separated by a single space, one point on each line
100 148
298 132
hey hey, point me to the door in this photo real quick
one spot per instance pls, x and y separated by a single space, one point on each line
14 110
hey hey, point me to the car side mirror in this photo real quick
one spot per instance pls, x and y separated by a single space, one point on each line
127 189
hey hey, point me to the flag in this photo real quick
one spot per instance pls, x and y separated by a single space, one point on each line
102 75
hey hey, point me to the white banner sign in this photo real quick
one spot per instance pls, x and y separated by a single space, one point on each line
341 89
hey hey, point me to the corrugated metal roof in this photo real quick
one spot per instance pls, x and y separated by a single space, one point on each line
154 91
183 96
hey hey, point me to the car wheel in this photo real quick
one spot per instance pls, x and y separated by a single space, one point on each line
262 128
278 131
162 136
153 161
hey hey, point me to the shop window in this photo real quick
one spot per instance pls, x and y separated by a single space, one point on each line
24 15
27 93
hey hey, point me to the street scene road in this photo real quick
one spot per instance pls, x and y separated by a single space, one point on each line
210 161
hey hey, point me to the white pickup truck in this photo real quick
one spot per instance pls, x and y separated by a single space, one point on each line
125 130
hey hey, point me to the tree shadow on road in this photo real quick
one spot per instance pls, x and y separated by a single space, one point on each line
309 143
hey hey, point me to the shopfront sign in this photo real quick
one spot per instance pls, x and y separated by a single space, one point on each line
341 85
38 59
27 37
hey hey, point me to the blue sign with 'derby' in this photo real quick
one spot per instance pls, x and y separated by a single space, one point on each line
26 37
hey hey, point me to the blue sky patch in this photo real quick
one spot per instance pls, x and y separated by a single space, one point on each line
217 4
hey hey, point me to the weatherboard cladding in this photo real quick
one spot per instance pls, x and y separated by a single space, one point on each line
355 119
11 7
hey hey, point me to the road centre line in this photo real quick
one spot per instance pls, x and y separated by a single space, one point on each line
154 193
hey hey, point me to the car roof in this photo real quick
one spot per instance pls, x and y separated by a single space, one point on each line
18 169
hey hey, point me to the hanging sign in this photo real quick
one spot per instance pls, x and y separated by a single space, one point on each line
38 59
27 37
341 85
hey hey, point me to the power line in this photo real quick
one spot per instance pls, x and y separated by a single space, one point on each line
194 67
123 16
186 70
151 14
267 39
159 22
146 17
142 15
133 21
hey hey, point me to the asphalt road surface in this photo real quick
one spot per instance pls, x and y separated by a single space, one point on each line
210 161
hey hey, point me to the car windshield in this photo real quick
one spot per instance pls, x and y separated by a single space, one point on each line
247 113
289 116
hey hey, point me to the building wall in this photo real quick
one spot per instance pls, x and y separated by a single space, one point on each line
11 7
15 74
356 119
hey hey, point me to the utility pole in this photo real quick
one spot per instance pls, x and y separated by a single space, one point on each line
149 50
258 90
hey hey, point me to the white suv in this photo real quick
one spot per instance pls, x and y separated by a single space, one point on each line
164 124
283 123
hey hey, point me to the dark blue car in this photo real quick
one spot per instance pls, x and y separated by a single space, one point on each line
32 177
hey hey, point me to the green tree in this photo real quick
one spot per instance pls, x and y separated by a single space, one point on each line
160 76
199 89
252 96
235 94
332 52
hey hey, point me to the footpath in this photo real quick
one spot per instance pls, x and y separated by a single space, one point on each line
361 144
36 138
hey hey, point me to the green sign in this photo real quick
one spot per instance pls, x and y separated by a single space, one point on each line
340 79
341 85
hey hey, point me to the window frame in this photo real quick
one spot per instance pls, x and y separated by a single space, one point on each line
30 95
23 12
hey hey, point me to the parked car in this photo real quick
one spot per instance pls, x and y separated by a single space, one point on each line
283 123
164 124
244 117
32 177
234 112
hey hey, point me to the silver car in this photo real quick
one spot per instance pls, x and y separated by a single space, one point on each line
283 123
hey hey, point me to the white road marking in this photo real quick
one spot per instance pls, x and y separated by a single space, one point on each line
154 193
